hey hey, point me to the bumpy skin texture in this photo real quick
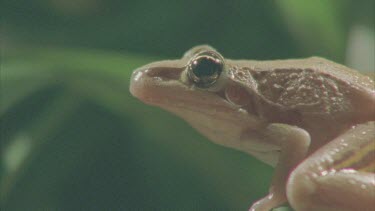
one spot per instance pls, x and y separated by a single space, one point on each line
314 94
311 118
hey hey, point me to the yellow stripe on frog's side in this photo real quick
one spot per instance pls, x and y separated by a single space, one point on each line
362 159
369 168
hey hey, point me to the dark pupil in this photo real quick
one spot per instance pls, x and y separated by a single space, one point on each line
206 67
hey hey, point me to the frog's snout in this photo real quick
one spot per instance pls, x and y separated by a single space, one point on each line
137 82
145 79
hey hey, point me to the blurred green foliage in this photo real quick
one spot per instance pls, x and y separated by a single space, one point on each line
72 137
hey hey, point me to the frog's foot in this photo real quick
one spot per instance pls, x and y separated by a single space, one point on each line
268 202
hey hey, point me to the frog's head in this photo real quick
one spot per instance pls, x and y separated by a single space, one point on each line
205 90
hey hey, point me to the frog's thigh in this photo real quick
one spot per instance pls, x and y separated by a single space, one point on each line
320 183
341 191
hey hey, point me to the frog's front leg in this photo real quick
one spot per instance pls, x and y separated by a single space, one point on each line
294 143
339 176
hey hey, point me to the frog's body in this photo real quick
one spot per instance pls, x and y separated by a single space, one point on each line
311 118
322 97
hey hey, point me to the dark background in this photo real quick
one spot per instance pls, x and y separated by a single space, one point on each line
72 137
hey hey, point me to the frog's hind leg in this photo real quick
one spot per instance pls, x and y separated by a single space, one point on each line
341 191
339 176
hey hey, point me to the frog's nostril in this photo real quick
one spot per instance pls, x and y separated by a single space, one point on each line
137 75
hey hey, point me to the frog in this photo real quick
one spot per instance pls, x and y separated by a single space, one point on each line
311 119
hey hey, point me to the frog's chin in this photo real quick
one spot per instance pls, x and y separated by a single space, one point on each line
227 129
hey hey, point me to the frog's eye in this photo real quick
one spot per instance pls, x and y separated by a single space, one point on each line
204 69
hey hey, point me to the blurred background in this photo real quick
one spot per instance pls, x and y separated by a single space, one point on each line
73 138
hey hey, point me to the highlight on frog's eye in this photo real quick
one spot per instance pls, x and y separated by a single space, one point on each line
205 68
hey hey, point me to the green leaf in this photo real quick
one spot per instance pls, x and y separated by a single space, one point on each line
69 114
317 26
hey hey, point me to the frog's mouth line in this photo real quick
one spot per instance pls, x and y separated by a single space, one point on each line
172 93
162 87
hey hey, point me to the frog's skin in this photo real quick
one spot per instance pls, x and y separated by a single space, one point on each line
312 119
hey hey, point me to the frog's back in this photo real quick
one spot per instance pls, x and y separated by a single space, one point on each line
324 67
315 87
